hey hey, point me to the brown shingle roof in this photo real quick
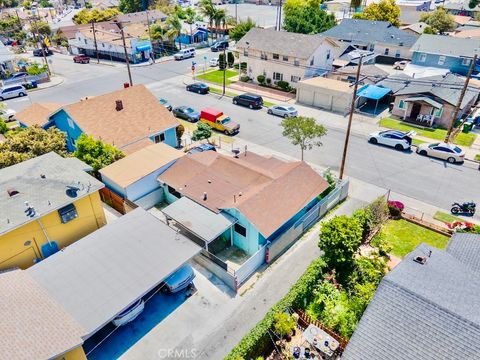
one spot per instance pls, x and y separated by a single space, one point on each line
142 116
266 190
37 113
34 325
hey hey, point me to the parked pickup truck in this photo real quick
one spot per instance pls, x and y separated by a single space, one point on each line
219 121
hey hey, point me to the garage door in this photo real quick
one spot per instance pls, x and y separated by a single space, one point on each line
323 100
305 97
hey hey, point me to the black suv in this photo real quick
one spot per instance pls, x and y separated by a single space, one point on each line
251 100
219 45
39 52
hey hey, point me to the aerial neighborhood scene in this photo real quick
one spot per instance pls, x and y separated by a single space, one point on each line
239 179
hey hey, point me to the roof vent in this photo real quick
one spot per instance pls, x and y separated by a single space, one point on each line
204 196
72 191
420 259
118 105
42 176
12 192
209 181
29 210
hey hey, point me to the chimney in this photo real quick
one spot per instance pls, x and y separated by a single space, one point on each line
118 105
204 196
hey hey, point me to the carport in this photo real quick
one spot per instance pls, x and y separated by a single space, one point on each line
369 97
100 275
199 221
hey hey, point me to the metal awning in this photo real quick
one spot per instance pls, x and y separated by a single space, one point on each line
198 219
101 274
373 92
144 47
425 100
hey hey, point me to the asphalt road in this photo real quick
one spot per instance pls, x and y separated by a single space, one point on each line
432 181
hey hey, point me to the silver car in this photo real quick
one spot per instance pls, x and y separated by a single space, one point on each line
12 91
284 111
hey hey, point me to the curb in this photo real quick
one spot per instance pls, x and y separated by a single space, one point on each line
47 87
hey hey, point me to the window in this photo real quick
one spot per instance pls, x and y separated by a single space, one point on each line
328 54
275 57
263 56
173 192
296 62
159 138
277 76
438 112
401 105
70 123
245 52
387 50
241 230
67 213
295 79
397 53
72 140
423 57
466 62
285 58
312 60
441 60
85 41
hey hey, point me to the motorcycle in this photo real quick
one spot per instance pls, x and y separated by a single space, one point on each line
465 208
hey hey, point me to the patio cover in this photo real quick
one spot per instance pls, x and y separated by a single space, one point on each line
100 275
198 219
373 92
426 100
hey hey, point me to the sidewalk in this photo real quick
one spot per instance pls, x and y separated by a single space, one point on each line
54 81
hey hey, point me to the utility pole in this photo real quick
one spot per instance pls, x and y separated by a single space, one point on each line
460 100
95 41
120 26
152 54
236 13
224 69
35 30
350 117
280 16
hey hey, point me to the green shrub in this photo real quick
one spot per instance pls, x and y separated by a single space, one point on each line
269 81
284 324
222 62
230 59
284 85
258 341
3 127
244 78
261 79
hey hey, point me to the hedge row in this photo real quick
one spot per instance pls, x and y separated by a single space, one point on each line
257 341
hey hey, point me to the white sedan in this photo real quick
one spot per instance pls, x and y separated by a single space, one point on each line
7 114
284 111
213 62
396 139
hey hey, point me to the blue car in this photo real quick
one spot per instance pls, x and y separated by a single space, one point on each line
179 280
186 113
198 87
202 148
166 104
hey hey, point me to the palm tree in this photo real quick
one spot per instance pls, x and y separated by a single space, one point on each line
220 19
175 28
191 17
208 9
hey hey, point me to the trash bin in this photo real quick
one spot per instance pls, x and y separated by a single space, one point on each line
467 127
457 123
34 84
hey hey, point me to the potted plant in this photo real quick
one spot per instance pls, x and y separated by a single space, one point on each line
284 325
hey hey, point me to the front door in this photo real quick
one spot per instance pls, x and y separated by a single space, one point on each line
415 110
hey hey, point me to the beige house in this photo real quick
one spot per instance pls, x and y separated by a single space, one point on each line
284 56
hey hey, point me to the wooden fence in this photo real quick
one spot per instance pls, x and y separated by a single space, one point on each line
114 200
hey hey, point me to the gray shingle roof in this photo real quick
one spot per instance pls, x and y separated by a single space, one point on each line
281 42
367 32
45 194
446 88
466 248
446 45
427 312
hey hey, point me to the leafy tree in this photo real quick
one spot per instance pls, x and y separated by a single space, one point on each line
429 30
158 31
220 19
222 64
31 142
303 131
473 4
27 5
306 18
284 324
36 69
45 3
59 39
355 3
439 20
191 17
41 27
96 153
86 16
385 10
207 9
230 59
340 238
203 131
9 3
3 127
241 29
130 6
174 28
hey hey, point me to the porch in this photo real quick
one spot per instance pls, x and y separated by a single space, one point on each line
421 110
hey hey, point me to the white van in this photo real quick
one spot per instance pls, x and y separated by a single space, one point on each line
184 54
11 91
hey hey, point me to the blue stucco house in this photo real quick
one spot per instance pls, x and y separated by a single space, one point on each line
197 35
250 199
445 52
130 119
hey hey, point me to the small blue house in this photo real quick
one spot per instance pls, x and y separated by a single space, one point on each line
130 118
445 52
238 203
196 35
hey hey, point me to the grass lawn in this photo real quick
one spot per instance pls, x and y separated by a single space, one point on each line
436 134
268 103
219 92
404 236
477 157
417 142
444 217
216 76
